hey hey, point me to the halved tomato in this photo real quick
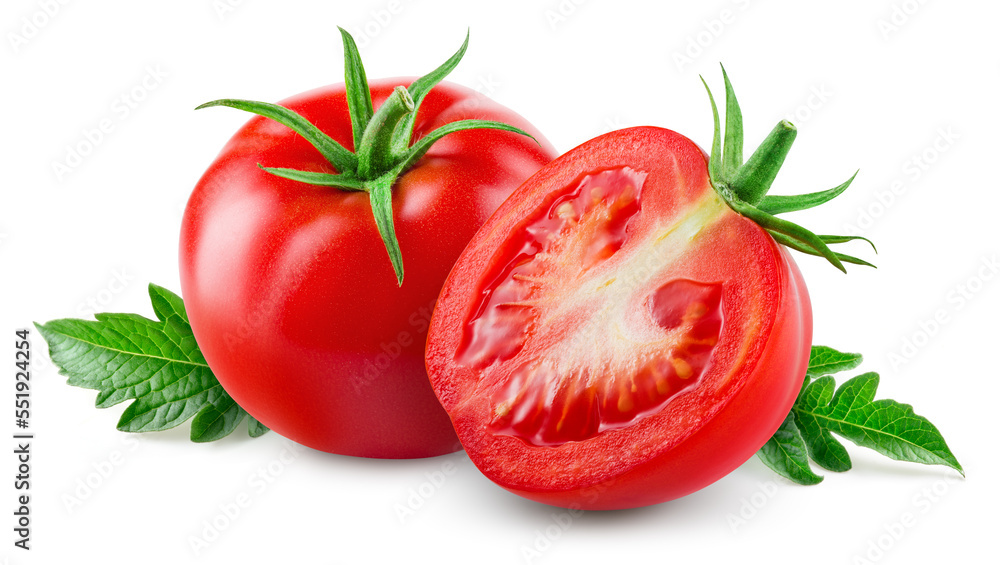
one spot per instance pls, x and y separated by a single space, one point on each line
617 335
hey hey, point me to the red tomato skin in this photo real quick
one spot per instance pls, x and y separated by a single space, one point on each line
732 425
289 289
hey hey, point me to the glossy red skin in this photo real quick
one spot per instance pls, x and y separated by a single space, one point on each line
700 436
289 288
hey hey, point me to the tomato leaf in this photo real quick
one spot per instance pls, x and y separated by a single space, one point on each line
785 453
155 363
823 448
887 426
850 411
825 360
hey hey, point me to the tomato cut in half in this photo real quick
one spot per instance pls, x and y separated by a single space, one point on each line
615 335
628 327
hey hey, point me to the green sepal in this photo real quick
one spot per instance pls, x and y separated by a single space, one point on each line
359 96
803 237
780 204
338 156
414 153
381 138
342 182
744 186
732 150
419 88
380 195
715 158
803 248
828 239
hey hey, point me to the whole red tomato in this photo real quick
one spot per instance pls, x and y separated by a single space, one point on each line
626 329
287 285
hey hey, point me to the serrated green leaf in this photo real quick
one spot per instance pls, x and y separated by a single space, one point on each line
255 428
823 448
156 363
886 426
216 421
785 453
825 360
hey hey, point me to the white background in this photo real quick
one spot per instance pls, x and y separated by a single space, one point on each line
875 85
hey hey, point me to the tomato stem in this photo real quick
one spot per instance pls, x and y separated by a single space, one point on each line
375 150
752 180
744 186
382 138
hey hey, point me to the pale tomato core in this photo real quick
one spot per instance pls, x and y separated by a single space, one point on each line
615 367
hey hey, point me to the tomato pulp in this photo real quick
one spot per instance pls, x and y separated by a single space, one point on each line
616 335
288 289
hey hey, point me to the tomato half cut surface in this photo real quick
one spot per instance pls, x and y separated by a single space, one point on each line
616 335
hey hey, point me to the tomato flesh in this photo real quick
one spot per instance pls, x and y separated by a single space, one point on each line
615 335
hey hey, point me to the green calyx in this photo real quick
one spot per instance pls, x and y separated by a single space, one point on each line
382 139
744 185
